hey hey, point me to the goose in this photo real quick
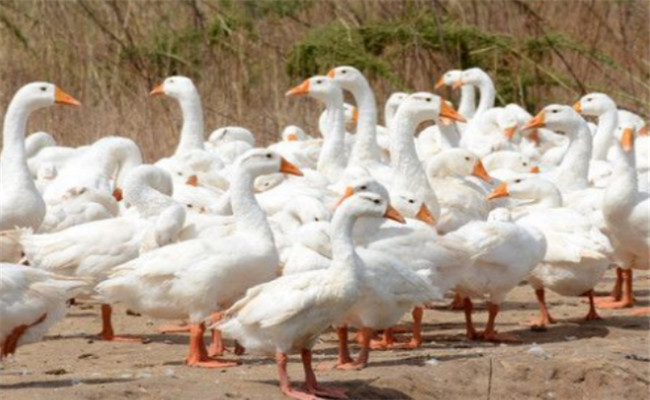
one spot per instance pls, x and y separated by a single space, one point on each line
230 142
332 159
490 131
506 164
31 301
467 102
627 215
90 250
195 278
100 170
289 313
21 205
479 79
628 120
577 253
507 253
390 108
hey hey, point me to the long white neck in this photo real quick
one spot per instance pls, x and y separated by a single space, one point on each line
365 149
572 174
467 103
245 208
332 161
604 137
409 175
449 136
192 130
488 94
13 161
343 252
621 192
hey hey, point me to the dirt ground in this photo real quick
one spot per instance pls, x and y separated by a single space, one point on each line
608 360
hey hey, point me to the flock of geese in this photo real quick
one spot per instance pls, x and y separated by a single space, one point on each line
272 246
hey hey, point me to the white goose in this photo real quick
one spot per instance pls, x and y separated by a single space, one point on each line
289 313
577 253
193 279
21 205
92 249
31 301
467 102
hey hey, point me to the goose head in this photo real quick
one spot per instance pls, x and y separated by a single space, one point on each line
178 87
625 133
507 122
410 206
594 104
394 101
229 134
472 76
293 133
525 188
424 106
559 118
349 78
369 205
459 163
308 209
259 162
449 78
321 88
512 160
37 95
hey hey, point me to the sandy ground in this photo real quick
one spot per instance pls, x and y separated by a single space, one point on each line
608 360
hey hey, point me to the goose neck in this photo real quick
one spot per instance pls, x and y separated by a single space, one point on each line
403 154
622 190
574 170
487 96
341 229
13 160
331 161
467 103
604 136
365 147
245 208
192 130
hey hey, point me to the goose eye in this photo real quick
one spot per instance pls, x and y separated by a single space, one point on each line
525 164
179 173
467 158
43 88
319 81
554 111
316 219
364 187
189 206
377 202
588 100
517 180
343 71
171 81
269 155
428 99
411 201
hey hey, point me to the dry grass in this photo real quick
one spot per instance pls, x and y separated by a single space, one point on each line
243 55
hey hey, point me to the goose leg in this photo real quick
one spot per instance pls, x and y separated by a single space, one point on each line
285 385
364 353
469 307
592 315
627 297
416 341
216 346
312 384
344 350
387 341
182 328
617 290
107 327
12 340
545 316
490 334
198 356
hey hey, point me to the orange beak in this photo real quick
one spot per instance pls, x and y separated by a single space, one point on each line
510 132
355 114
61 97
425 215
300 90
288 168
157 91
457 84
499 191
117 194
349 192
292 137
534 136
192 181
627 140
643 131
331 73
578 107
479 171
393 214
439 83
538 121
448 111
534 170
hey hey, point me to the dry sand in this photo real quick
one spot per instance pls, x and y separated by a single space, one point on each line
606 360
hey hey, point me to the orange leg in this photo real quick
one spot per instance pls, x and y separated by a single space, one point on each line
173 328
457 303
592 315
627 298
387 341
416 341
216 346
343 349
11 343
364 353
490 334
312 384
285 385
640 311
239 349
545 317
469 307
617 290
107 327
198 356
